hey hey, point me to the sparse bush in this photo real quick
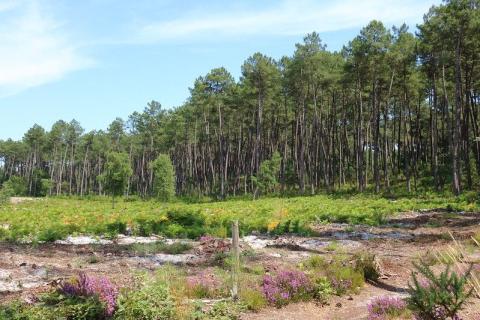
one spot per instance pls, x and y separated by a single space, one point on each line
206 284
439 297
332 246
365 263
253 299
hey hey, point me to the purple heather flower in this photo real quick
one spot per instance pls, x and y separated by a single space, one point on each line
285 286
90 286
382 308
206 281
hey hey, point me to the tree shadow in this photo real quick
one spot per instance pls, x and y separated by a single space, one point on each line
388 287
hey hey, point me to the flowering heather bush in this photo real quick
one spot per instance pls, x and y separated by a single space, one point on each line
286 286
90 286
383 308
205 284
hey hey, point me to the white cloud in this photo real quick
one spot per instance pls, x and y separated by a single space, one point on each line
34 50
288 17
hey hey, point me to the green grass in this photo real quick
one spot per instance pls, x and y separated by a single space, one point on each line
53 218
142 249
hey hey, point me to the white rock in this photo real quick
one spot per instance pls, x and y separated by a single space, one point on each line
257 243
82 240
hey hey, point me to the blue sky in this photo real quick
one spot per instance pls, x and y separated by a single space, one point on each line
94 60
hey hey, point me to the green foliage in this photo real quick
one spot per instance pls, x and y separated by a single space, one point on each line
266 181
5 195
53 233
151 301
116 173
365 263
345 279
322 289
252 299
340 274
224 310
164 173
141 249
45 186
59 215
15 186
55 306
438 297
296 105
14 311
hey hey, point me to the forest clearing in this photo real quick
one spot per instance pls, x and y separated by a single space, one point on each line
308 182
144 245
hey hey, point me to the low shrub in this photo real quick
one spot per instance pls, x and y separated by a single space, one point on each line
322 289
287 286
253 299
116 227
315 262
223 310
387 308
437 297
152 301
332 246
54 305
339 272
366 263
142 249
51 234
17 310
78 308
177 248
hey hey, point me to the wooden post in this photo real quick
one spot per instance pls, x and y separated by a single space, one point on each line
236 259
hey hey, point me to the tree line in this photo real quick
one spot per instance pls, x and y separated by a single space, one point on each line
391 108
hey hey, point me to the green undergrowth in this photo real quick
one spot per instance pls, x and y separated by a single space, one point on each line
49 219
142 249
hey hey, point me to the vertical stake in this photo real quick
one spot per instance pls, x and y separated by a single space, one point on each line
236 259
